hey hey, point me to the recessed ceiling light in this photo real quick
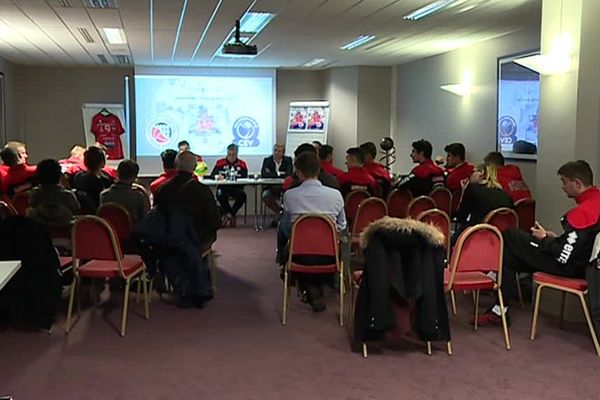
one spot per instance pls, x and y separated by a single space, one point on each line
429 9
6 31
254 22
115 35
314 62
359 41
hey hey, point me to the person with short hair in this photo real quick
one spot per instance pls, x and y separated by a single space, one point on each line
356 177
21 149
123 193
224 167
91 182
73 163
18 176
377 171
310 197
325 178
184 145
457 169
317 145
326 156
187 193
168 162
509 176
48 173
277 165
567 254
424 176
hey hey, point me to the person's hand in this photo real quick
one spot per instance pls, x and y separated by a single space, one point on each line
538 231
219 177
464 183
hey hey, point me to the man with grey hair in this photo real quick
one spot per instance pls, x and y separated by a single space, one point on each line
183 191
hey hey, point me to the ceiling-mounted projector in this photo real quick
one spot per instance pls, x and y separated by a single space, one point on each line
238 47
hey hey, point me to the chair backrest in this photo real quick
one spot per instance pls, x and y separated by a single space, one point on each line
502 218
314 235
369 210
418 205
21 203
93 238
397 203
6 210
441 221
118 217
353 200
442 198
525 209
477 249
139 188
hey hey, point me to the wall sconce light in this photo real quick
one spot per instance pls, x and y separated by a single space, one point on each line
558 61
462 89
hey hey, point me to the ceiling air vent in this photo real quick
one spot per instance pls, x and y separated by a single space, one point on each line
102 3
64 3
102 59
122 59
86 35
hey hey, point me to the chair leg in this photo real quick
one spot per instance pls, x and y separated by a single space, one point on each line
342 294
285 297
146 296
476 301
536 311
125 306
504 323
563 303
138 289
590 323
70 307
519 291
150 287
364 349
449 347
453 302
428 348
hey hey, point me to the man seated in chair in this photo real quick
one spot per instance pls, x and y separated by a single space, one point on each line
18 176
122 192
356 177
564 255
50 191
509 176
375 169
168 162
277 165
324 177
326 156
224 168
424 176
457 169
310 197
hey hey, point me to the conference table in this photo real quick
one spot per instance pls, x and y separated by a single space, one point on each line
257 183
7 270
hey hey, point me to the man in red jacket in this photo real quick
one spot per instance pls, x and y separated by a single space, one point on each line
424 176
168 162
509 177
325 154
19 176
457 169
376 170
567 254
356 177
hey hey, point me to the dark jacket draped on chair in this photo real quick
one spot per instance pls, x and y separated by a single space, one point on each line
404 268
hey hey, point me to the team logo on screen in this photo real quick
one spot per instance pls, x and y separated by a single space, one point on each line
507 129
161 132
245 132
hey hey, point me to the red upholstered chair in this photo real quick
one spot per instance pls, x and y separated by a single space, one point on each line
352 201
95 241
313 235
21 203
66 263
369 210
478 251
441 221
139 188
397 203
442 199
6 210
577 287
118 217
525 209
418 205
505 218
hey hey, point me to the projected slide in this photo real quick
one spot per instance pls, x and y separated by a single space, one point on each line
210 112
518 109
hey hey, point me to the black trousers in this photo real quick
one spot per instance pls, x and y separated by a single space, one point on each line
237 193
522 253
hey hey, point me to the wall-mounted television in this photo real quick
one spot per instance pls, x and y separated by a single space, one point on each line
518 108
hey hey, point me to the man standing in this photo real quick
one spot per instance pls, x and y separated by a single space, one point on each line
424 176
276 166
226 167
457 169
122 193
310 197
565 255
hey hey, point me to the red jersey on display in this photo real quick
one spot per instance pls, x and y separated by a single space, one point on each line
108 130
512 182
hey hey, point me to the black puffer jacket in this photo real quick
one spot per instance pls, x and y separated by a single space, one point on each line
404 264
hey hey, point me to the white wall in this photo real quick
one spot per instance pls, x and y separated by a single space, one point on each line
423 110
10 96
374 103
